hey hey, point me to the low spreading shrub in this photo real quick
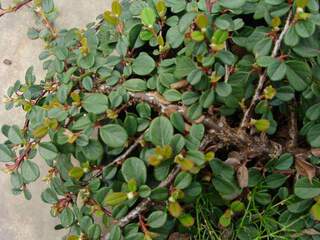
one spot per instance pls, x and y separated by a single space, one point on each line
175 119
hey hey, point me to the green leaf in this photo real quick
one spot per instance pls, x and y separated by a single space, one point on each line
6 154
33 33
223 89
144 191
313 136
183 180
298 74
115 198
227 188
194 77
87 61
16 180
157 219
305 28
194 111
94 232
219 36
226 57
47 6
275 180
174 37
48 150
144 110
262 47
15 135
291 38
234 4
184 66
159 194
134 168
27 194
161 131
87 83
113 135
177 121
197 131
66 217
135 85
148 17
115 233
76 172
284 162
176 5
305 189
172 95
277 70
285 93
95 103
143 64
49 196
30 171
313 112
93 151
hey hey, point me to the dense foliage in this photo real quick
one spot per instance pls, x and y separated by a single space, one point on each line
175 119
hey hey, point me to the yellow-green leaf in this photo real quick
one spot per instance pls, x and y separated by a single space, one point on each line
73 237
315 211
197 36
202 21
302 3
275 22
148 17
76 172
161 8
225 219
109 18
175 209
262 125
116 8
269 92
40 131
115 198
186 220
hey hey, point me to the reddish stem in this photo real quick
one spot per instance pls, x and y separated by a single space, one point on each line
15 8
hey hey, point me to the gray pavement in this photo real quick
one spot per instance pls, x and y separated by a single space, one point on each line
21 219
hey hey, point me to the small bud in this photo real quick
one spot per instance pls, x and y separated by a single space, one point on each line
130 195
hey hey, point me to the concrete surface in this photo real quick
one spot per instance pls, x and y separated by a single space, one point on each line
21 219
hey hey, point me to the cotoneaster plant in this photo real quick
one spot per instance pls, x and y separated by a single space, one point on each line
175 119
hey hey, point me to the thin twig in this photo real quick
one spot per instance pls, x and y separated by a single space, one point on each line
25 153
263 77
47 24
125 155
293 125
145 203
15 8
226 66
